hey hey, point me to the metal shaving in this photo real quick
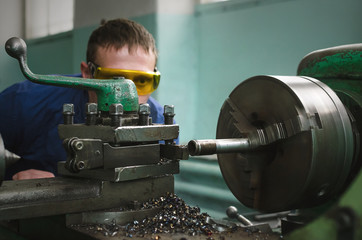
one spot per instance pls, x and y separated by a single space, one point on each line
175 216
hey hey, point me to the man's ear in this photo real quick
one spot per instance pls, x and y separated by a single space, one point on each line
84 68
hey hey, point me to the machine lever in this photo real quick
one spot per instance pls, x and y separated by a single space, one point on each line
109 91
232 212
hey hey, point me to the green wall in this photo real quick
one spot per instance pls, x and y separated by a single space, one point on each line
178 63
9 72
238 40
51 55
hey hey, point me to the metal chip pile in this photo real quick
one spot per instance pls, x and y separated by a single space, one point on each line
175 216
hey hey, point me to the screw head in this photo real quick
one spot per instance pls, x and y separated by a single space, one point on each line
91 108
78 145
145 109
80 165
68 108
116 109
169 109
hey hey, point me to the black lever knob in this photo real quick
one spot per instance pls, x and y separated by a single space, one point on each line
232 212
16 47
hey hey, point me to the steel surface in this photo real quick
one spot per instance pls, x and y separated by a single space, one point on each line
124 134
121 174
297 166
61 195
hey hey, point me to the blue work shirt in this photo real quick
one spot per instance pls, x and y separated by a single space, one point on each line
30 115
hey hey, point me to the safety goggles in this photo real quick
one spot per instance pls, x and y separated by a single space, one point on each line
146 82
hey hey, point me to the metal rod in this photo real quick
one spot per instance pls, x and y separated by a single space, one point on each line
232 212
212 146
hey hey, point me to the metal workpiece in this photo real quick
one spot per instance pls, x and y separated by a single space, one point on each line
91 111
296 120
124 174
54 196
123 134
108 91
68 113
144 113
213 146
169 114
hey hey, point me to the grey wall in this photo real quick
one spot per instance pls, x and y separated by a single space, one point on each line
91 12
11 25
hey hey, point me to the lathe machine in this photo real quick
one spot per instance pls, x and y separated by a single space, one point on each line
284 144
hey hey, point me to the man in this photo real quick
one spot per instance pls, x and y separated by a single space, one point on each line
30 112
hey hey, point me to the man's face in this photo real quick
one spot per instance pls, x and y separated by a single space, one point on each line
139 60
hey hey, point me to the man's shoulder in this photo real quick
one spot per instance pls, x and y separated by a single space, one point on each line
154 103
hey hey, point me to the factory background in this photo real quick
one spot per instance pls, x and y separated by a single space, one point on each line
205 51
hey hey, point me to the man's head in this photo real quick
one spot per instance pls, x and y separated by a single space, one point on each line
120 44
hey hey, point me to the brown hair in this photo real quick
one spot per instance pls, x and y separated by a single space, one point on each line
118 33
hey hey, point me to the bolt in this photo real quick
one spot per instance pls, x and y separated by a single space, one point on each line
78 145
168 113
116 109
80 165
91 112
68 108
145 109
144 113
323 191
169 109
116 112
68 113
91 108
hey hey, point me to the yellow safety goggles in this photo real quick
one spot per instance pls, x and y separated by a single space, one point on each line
146 82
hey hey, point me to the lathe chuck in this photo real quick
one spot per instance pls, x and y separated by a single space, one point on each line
302 137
